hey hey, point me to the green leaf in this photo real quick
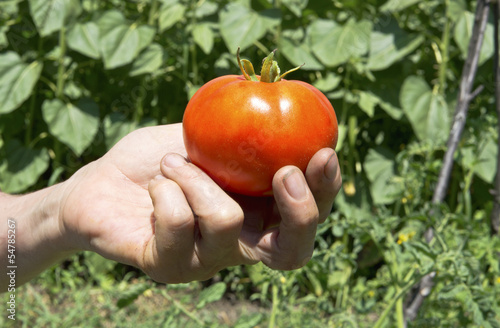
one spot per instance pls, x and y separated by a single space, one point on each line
74 125
463 33
342 135
17 80
452 292
170 14
148 61
146 35
241 26
257 273
387 88
482 158
397 5
426 111
51 15
120 41
10 7
84 38
456 9
299 53
204 37
379 168
296 6
211 294
249 321
487 160
328 82
317 288
358 205
206 9
97 265
367 102
116 126
21 167
390 45
4 42
335 44
131 294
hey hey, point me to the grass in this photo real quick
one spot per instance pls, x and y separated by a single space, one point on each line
139 302
157 306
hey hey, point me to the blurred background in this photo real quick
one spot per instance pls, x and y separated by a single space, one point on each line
77 75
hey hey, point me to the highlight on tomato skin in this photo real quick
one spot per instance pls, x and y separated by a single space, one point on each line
241 129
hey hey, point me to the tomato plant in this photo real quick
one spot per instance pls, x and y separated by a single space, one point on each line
242 129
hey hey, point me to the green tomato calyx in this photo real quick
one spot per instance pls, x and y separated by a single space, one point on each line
269 73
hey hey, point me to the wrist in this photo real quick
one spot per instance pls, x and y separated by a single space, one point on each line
40 237
45 222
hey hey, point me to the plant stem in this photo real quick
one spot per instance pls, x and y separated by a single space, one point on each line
445 46
152 12
139 102
262 47
181 307
345 289
274 311
31 114
30 119
60 68
495 213
464 98
399 294
194 61
400 313
278 30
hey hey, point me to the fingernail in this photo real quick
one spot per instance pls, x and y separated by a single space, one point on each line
295 184
173 160
331 165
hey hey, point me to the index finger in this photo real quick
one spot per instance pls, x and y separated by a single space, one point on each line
220 218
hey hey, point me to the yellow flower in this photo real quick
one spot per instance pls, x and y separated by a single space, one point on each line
371 293
404 237
283 279
498 280
349 188
148 293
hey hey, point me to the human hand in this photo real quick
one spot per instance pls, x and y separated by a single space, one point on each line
177 225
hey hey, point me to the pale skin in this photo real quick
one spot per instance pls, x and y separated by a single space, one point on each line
145 205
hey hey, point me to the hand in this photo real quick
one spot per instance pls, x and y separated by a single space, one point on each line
173 222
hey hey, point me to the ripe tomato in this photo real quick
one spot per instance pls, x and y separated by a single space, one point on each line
242 129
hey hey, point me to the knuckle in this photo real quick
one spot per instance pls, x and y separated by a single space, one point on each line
180 217
309 219
189 172
226 215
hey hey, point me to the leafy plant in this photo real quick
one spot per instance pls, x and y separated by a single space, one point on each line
76 76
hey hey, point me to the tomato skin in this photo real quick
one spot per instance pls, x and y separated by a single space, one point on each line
241 132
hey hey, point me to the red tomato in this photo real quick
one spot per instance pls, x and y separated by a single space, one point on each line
241 131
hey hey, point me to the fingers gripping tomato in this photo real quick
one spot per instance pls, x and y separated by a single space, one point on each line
241 129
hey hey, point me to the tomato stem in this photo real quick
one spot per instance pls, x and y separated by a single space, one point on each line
270 69
269 73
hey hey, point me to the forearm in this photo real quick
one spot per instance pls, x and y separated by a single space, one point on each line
32 235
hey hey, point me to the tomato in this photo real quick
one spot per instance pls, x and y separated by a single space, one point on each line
241 129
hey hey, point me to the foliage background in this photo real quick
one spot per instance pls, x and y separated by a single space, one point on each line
77 75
